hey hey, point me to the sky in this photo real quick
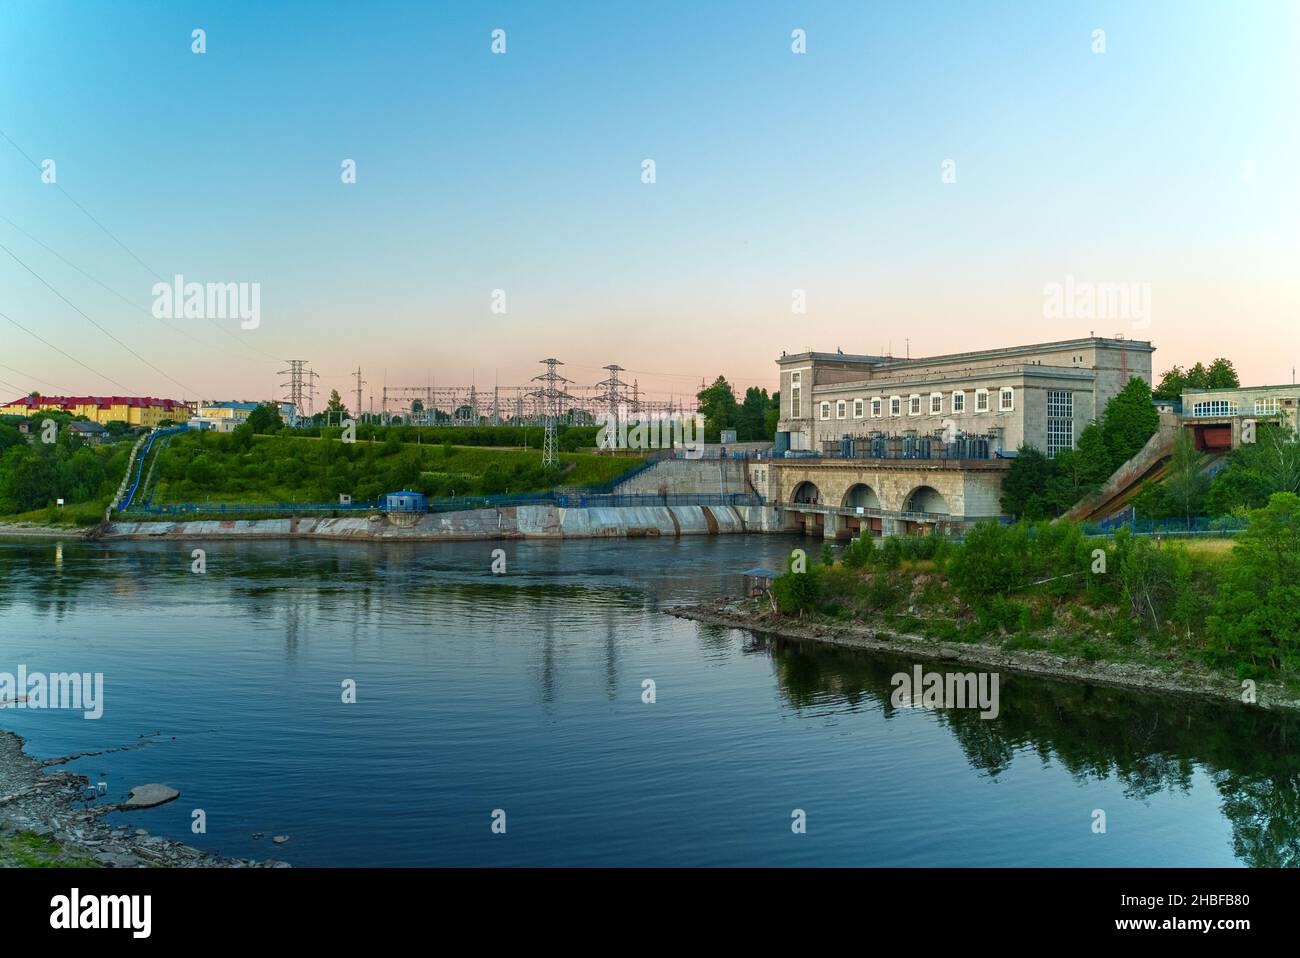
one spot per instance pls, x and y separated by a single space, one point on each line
918 178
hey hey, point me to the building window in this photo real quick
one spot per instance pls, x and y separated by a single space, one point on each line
795 390
875 408
1267 407
958 401
840 408
914 404
895 405
936 403
1215 407
1060 421
826 410
1006 399
981 400
857 409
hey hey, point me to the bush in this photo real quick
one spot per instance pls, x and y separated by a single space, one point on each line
798 592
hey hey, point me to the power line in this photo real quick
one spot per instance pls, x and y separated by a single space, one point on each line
156 369
38 379
60 188
101 285
102 376
109 233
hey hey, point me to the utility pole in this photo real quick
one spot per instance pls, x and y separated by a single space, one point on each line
552 395
360 382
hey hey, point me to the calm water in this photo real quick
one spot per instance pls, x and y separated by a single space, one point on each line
523 692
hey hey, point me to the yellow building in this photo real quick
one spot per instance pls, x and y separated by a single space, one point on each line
132 410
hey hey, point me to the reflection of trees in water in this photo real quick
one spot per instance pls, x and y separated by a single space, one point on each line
1148 742
546 673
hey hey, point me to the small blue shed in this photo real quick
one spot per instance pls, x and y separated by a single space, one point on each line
405 501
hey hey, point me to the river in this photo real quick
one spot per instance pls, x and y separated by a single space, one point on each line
523 692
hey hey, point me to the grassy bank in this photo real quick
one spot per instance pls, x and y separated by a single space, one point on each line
29 850
249 469
1230 609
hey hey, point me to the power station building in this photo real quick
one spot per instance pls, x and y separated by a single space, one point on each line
1041 395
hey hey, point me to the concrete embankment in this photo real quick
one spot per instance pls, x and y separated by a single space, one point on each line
513 522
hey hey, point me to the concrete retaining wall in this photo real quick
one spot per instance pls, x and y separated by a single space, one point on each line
689 477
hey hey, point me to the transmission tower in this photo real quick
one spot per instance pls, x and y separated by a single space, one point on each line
612 389
301 385
551 395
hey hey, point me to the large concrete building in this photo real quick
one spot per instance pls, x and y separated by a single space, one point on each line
1041 395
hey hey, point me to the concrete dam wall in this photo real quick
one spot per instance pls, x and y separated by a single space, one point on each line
513 522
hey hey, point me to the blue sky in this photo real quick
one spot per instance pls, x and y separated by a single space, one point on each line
521 172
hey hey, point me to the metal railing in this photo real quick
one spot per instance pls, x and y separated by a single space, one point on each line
564 500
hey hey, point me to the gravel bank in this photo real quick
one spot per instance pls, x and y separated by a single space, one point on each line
1203 683
45 818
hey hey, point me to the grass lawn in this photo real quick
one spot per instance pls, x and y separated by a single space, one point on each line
216 469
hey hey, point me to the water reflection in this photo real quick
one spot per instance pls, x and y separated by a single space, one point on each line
1150 743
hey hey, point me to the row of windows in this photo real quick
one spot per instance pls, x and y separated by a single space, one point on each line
1228 407
916 404
1215 407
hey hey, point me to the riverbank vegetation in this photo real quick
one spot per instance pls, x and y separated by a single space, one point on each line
1048 586
24 849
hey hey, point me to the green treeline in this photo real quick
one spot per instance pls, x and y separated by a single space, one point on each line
34 474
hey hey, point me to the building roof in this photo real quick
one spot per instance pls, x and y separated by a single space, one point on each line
971 354
80 426
103 402
229 405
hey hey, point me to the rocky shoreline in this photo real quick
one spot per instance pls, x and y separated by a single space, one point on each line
748 615
20 530
46 819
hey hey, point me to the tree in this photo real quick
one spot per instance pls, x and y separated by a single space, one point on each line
1186 484
1256 621
1220 374
1024 489
718 407
1172 384
265 419
334 409
1278 458
1129 421
797 592
751 417
771 416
